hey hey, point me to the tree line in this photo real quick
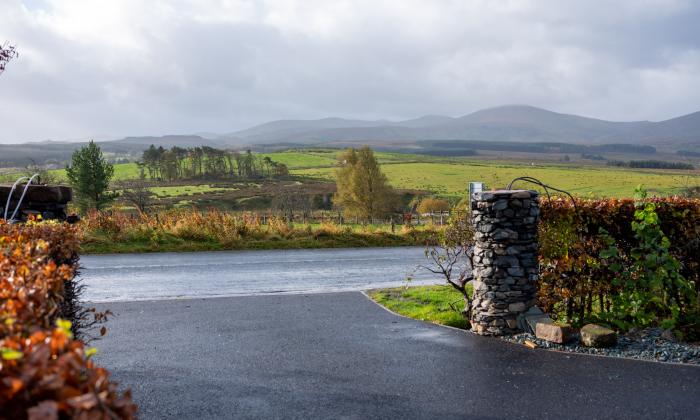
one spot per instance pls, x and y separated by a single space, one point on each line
446 146
363 190
206 162
653 164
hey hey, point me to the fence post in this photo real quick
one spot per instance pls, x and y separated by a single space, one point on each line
505 258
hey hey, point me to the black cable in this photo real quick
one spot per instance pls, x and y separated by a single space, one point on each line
543 185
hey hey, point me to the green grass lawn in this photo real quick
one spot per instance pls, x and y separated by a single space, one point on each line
434 304
452 179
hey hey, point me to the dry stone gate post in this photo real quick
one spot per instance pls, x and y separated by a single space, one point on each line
505 258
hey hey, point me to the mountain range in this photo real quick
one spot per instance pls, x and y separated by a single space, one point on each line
510 123
515 123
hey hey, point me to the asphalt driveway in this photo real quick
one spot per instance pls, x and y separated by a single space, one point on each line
341 356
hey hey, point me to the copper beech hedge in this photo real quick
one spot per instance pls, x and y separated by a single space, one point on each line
45 373
574 280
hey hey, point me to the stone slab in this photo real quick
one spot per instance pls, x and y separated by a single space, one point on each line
554 333
593 335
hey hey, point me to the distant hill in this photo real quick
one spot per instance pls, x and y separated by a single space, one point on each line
527 123
130 144
510 123
677 133
332 129
58 153
286 127
425 121
520 123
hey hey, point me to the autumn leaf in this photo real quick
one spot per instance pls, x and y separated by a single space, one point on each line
10 354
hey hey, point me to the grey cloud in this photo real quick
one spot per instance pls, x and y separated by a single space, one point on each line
163 67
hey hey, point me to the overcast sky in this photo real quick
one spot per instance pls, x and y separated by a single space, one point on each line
106 69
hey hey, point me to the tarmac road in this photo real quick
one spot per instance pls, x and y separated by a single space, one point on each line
169 275
338 355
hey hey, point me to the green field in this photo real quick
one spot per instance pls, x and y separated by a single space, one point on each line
122 171
297 160
185 190
451 179
293 160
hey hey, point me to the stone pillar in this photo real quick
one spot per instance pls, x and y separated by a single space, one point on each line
505 258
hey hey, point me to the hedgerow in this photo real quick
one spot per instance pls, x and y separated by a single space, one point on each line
62 242
44 371
630 262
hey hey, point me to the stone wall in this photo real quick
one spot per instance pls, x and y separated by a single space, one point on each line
505 258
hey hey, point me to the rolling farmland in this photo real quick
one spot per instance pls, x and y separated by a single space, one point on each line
447 176
452 178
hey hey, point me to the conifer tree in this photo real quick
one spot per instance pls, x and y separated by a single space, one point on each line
89 175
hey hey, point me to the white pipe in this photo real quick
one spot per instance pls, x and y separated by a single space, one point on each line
19 203
7 205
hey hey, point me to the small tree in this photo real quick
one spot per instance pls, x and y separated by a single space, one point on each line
433 205
137 192
362 188
288 202
451 256
45 176
280 170
89 175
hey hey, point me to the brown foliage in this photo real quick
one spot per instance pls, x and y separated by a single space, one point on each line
61 240
214 226
44 372
49 375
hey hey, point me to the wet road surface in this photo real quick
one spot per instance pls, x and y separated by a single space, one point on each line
126 277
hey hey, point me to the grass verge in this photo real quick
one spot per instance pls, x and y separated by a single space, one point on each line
436 304
190 230
102 243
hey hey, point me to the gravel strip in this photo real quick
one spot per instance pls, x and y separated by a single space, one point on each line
645 344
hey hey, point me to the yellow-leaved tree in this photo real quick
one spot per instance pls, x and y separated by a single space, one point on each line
362 189
433 205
